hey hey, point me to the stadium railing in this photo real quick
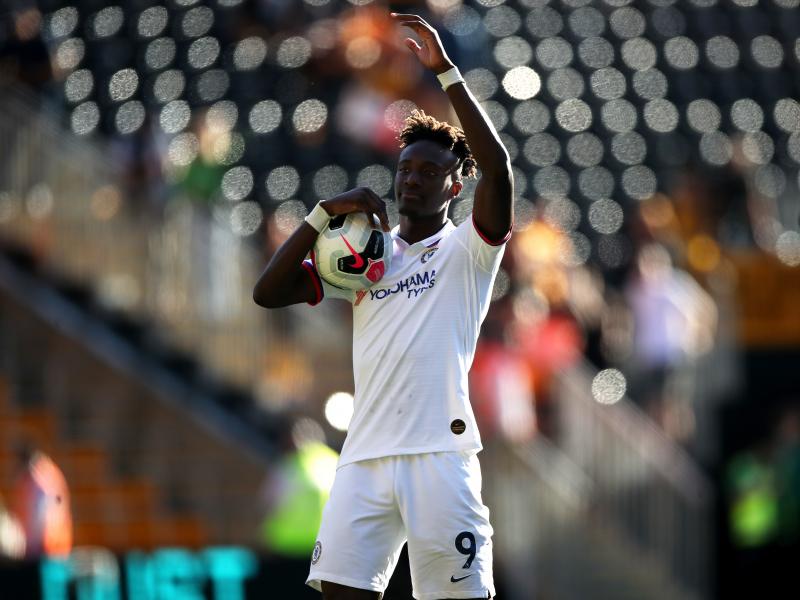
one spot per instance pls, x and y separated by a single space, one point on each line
610 509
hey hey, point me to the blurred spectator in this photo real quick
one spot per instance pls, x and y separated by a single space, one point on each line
296 492
12 537
501 388
674 323
42 504
23 55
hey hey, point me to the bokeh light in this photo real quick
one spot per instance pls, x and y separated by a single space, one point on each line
197 21
183 149
587 22
246 218
289 216
70 53
554 53
716 148
160 53
175 116
618 115
787 248
544 22
362 52
596 183
222 116
497 114
129 117
575 249
521 83
530 116
63 22
767 51
85 118
606 216
107 21
542 150
396 113
758 147
639 182
564 84
661 115
378 178
482 83
650 84
512 51
609 386
668 21
627 22
461 20
203 53
79 85
608 83
329 181
502 21
265 116
629 148
249 53
169 85
310 116
562 214
339 410
574 115
152 21
585 149
787 114
613 251
746 115
237 183
551 182
596 52
212 85
293 52
282 182
703 115
639 54
770 180
722 52
681 53
123 84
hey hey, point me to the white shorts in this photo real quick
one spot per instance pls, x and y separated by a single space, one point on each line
432 500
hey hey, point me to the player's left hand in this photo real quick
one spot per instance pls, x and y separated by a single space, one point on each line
431 53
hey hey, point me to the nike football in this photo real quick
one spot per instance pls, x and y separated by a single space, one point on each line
353 252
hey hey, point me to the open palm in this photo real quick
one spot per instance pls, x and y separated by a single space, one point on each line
430 51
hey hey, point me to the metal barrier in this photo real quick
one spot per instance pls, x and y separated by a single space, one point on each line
180 268
612 509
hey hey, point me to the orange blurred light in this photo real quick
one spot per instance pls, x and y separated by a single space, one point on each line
703 253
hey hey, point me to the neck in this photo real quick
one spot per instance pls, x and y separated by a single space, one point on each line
414 229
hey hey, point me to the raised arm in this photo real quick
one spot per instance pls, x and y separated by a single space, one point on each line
493 208
285 280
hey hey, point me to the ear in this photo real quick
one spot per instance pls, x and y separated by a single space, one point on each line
456 188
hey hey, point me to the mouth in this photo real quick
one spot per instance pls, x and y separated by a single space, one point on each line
407 196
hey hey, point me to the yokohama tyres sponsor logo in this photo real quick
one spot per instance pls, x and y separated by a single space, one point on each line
410 286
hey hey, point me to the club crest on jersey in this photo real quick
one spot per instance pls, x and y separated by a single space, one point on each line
316 553
428 254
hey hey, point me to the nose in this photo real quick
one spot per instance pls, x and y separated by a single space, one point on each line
411 178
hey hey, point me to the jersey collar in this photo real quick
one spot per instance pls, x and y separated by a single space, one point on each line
446 229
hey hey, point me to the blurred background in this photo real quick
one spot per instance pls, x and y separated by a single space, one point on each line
636 381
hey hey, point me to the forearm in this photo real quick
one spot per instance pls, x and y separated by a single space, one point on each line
482 137
283 276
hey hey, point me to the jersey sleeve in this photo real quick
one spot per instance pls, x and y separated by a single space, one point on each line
486 253
325 289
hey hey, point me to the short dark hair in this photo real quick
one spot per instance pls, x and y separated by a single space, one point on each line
419 126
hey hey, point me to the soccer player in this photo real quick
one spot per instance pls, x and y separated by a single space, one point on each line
408 469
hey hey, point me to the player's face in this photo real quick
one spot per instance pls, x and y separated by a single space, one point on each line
425 180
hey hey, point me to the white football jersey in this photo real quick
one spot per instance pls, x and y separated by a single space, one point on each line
414 336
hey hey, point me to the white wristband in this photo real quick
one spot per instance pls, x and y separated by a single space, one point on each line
450 77
318 218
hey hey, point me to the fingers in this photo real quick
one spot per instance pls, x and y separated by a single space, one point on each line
377 207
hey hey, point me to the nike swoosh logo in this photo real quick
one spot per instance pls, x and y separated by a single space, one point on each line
457 579
359 261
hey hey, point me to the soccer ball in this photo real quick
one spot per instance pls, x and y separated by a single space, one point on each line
352 252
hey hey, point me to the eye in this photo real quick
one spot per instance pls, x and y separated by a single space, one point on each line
430 173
